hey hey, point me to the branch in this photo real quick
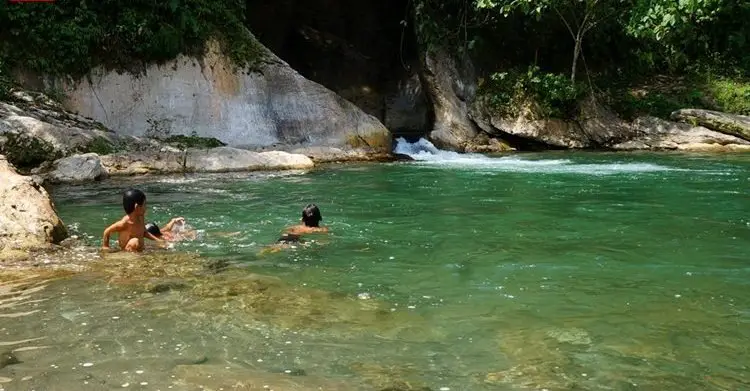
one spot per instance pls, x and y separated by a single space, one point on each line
572 34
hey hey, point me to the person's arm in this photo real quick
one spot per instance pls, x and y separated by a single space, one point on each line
159 242
171 223
116 227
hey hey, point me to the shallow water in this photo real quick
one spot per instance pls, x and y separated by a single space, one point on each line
541 271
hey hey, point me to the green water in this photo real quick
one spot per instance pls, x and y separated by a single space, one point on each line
549 271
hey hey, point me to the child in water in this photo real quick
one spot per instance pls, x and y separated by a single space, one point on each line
310 223
131 228
173 231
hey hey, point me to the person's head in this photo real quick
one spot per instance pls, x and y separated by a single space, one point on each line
133 200
311 215
153 229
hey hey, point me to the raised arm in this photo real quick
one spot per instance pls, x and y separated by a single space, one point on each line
171 223
116 227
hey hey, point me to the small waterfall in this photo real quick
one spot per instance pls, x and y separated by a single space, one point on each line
426 153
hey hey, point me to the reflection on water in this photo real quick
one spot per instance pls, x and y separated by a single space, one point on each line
433 277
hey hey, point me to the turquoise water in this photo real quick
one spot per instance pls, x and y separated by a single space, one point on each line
541 271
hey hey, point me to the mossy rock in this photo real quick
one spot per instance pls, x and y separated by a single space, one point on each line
26 152
380 141
185 142
101 146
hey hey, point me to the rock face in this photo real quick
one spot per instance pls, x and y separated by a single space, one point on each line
35 129
595 127
27 216
449 86
658 134
209 97
77 168
734 125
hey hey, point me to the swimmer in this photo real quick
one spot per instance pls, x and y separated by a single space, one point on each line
130 229
311 219
173 231
292 236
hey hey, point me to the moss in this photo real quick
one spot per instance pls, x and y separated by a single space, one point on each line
380 141
26 152
100 146
184 142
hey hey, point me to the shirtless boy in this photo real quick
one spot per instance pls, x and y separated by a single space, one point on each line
131 229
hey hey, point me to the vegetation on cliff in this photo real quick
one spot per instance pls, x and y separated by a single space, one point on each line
72 36
644 56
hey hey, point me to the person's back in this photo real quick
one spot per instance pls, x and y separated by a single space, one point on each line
131 228
311 219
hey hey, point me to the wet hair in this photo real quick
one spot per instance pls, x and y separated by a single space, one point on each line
131 198
153 229
311 215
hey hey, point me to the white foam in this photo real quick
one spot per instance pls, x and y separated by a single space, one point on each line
427 154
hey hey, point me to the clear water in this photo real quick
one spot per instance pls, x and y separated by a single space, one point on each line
543 271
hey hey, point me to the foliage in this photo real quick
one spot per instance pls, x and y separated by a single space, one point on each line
730 95
555 95
184 142
72 36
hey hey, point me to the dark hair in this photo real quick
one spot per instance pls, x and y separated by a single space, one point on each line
153 229
311 215
131 198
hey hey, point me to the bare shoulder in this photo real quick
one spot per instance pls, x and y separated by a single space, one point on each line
119 225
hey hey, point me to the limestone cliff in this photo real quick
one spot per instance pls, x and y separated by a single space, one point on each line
269 105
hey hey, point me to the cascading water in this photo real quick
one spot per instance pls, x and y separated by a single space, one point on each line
425 152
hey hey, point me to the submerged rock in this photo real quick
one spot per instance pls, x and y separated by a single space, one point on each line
28 218
8 358
731 124
77 168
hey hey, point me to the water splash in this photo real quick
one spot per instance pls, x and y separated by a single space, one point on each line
426 153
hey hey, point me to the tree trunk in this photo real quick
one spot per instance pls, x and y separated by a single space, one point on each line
576 54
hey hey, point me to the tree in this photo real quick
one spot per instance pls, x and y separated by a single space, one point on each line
578 16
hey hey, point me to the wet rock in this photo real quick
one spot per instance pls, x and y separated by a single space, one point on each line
734 125
8 358
400 157
337 155
28 218
658 134
77 168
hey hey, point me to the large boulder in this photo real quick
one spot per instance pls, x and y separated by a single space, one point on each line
529 125
657 134
595 126
226 159
35 129
27 215
77 168
261 106
734 125
222 159
449 84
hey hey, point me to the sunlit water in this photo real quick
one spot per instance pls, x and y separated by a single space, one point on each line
545 271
